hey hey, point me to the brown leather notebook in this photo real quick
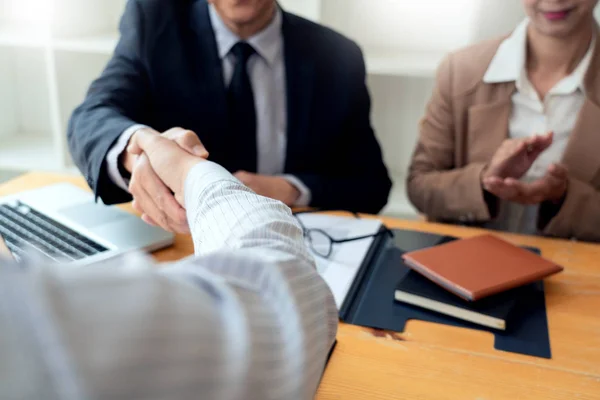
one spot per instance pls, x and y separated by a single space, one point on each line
480 266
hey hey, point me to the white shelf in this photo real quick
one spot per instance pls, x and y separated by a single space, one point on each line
398 203
410 64
18 35
95 44
24 151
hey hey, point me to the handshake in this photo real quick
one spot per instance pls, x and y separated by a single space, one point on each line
159 165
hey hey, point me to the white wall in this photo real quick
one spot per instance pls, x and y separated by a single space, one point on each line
310 9
8 95
32 95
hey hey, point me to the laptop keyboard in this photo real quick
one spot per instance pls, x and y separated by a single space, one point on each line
27 231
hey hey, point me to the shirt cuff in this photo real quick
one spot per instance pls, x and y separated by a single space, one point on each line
200 178
112 157
305 194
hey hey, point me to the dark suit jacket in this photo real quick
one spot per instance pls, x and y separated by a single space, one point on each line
166 72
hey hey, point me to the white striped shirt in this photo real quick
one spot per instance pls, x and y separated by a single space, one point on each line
247 318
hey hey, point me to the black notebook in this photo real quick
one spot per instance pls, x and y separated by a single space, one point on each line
492 311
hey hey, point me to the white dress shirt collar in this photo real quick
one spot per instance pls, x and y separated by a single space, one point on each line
267 43
509 64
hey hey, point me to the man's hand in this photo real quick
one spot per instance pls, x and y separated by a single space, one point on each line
275 187
185 138
4 252
154 197
515 156
552 187
165 156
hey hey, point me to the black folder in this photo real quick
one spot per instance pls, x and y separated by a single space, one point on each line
370 300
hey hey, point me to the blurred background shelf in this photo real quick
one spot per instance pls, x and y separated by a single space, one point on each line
23 151
407 64
96 44
18 35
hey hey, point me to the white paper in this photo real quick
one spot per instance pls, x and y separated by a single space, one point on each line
340 269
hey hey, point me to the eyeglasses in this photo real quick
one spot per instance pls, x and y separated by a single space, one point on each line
321 243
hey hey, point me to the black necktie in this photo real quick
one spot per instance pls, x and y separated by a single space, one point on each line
242 113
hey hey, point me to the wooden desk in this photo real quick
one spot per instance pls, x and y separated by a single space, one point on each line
431 361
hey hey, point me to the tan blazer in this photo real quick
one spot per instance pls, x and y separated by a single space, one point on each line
467 120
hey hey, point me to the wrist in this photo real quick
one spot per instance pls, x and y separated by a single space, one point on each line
183 172
126 159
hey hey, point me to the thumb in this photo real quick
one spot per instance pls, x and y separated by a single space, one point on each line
169 161
188 141
142 141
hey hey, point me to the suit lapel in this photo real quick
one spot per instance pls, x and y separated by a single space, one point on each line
581 154
488 123
300 69
208 65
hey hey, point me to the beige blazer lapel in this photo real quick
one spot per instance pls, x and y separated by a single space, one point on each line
488 123
582 155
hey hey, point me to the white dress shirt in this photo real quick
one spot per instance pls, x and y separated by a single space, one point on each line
266 70
247 318
557 112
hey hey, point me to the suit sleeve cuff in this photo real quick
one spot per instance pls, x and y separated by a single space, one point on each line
305 193
112 157
477 202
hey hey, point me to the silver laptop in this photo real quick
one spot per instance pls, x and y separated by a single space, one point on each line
63 223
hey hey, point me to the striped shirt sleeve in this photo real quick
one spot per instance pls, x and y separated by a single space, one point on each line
247 317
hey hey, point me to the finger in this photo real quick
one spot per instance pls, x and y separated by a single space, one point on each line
136 206
491 181
190 142
505 191
183 228
154 216
146 187
540 139
545 141
529 193
518 147
144 140
165 201
175 228
548 138
539 143
150 209
177 217
147 219
558 171
498 188
133 146
531 140
180 199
